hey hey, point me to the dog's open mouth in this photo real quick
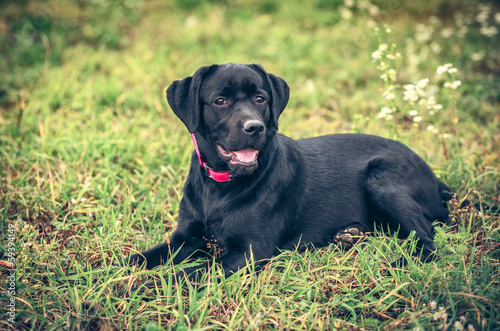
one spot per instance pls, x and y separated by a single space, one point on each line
244 157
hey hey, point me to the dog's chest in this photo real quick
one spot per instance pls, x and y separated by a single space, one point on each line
214 214
221 216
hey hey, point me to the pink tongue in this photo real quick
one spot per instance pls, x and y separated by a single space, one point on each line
246 155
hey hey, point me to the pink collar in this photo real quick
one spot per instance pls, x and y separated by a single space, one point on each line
218 176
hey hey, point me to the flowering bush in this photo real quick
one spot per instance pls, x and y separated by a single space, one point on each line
420 103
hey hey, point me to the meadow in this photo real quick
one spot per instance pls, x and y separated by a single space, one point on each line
93 161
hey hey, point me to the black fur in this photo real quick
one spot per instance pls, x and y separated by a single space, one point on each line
298 192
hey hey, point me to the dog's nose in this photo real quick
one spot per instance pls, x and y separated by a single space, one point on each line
253 127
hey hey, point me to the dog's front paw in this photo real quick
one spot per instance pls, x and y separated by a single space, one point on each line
348 237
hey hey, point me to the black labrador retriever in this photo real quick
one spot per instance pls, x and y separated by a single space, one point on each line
255 192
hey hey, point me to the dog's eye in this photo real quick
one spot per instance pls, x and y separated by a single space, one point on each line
220 101
260 99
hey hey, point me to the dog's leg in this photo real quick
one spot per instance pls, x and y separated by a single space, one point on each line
230 263
405 195
180 247
405 215
153 257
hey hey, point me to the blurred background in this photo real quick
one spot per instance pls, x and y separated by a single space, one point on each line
130 48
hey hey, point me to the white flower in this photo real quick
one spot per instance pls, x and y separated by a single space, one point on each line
458 326
423 83
435 47
392 74
373 10
310 85
452 70
376 55
389 93
383 47
421 92
444 68
410 96
349 3
441 70
497 20
441 314
484 12
459 18
482 17
433 305
456 84
438 106
410 93
453 85
488 31
417 119
434 20
423 32
390 56
483 7
382 66
477 56
462 31
383 77
413 113
434 130
190 21
345 13
386 113
447 32
470 327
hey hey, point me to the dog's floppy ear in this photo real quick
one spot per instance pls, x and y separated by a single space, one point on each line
183 97
280 94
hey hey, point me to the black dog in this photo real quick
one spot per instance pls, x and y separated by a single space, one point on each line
255 192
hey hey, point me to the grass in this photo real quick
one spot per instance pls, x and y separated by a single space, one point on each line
93 160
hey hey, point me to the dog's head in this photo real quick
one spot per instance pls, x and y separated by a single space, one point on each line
233 110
